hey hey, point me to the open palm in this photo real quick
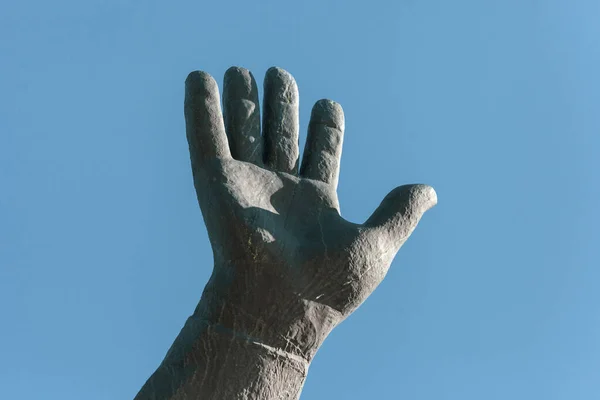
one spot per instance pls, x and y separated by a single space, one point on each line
288 267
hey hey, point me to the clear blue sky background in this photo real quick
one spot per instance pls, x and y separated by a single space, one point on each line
103 252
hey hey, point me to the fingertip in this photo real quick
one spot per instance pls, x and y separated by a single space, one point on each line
416 197
200 83
433 197
428 197
235 69
422 196
278 72
238 82
328 112
280 85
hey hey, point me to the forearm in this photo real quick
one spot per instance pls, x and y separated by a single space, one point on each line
209 362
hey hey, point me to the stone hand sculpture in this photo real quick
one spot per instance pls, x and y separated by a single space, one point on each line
287 267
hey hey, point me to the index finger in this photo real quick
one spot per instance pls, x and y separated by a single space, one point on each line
205 129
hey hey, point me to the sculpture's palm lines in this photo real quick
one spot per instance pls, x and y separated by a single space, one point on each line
316 287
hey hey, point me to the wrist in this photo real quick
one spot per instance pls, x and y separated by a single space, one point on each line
275 318
210 361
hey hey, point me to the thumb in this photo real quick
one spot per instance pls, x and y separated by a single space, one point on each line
399 213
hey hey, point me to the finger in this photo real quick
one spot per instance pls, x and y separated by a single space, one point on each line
242 115
280 121
204 122
323 149
398 215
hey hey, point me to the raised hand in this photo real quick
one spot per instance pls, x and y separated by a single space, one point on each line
287 267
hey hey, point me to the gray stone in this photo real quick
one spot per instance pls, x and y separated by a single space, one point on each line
287 267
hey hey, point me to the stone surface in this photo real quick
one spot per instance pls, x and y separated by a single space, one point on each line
287 267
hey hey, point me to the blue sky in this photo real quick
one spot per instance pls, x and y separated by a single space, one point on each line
103 252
